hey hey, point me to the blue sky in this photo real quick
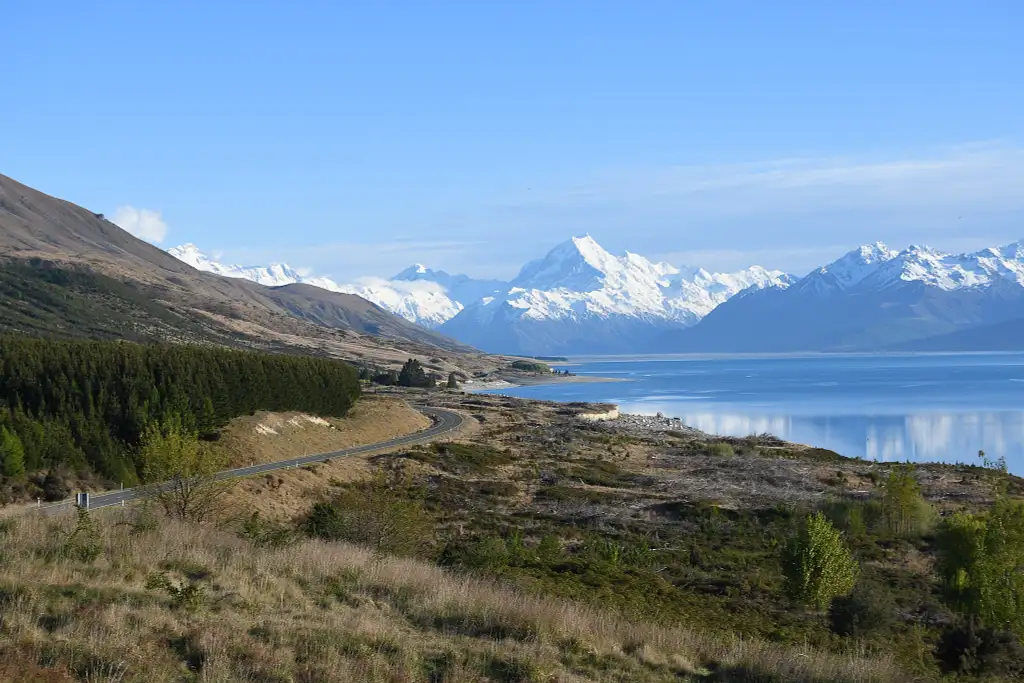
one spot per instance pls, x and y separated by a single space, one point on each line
356 138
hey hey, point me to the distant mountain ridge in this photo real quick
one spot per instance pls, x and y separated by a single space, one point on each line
578 296
874 298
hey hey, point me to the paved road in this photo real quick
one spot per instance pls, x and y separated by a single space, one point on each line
445 422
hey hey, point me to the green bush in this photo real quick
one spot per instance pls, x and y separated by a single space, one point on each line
855 518
719 448
264 534
84 543
12 454
377 515
531 366
868 610
817 565
188 595
980 560
975 650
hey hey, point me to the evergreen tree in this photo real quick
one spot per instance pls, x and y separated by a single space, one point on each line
413 375
86 404
12 454
453 381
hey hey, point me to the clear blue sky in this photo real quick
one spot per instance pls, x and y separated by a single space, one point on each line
357 137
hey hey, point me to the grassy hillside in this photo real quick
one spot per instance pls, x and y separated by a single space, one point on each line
325 612
68 272
43 299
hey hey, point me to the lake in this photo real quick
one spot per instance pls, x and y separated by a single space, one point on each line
923 407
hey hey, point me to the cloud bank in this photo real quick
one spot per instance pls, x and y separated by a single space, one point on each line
146 224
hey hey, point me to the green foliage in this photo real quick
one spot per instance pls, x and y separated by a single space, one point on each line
375 515
84 543
413 375
12 454
867 611
980 560
180 470
188 595
461 458
817 565
87 404
531 366
453 381
719 448
855 518
388 378
969 648
264 534
905 512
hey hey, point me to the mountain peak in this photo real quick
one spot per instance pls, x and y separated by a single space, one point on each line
580 264
418 271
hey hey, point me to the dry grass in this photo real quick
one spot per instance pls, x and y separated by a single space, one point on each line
268 437
329 613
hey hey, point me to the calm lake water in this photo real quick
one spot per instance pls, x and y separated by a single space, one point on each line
939 407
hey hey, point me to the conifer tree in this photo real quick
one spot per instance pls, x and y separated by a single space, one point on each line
12 454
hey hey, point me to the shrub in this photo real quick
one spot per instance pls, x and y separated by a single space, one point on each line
180 470
188 594
531 366
865 611
980 559
84 543
12 454
264 534
855 518
378 515
970 648
719 448
817 565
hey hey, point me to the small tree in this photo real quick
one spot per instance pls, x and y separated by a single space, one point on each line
817 564
453 381
904 510
180 471
12 454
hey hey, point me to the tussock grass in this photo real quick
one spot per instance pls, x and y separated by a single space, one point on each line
328 612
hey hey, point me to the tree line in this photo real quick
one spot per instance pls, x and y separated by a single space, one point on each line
86 404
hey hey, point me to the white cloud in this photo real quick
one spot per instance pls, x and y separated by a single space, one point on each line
146 224
987 173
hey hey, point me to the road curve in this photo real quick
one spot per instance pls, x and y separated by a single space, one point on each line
445 422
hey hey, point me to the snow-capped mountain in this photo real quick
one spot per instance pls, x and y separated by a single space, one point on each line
459 288
271 276
580 298
419 300
872 298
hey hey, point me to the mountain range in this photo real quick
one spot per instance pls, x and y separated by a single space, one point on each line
580 299
876 298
